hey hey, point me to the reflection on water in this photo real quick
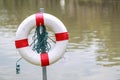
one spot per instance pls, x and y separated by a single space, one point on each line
94 47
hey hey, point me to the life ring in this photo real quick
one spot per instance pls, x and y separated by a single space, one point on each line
61 35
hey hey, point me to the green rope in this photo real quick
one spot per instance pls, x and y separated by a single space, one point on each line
40 37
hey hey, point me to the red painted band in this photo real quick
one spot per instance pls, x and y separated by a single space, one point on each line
39 19
44 59
61 36
21 43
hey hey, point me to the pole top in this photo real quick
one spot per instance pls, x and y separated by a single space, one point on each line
42 10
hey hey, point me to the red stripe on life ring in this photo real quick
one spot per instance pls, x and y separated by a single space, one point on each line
39 19
44 59
21 43
61 36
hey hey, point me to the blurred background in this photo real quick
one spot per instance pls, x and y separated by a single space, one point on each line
93 52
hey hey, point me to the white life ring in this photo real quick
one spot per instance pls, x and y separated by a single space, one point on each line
61 35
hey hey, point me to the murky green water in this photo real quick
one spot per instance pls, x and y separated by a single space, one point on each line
93 52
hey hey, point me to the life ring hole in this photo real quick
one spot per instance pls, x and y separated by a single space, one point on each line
51 37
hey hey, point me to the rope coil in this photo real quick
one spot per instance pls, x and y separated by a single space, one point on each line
40 37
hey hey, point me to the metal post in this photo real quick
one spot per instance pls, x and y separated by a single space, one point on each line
44 69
